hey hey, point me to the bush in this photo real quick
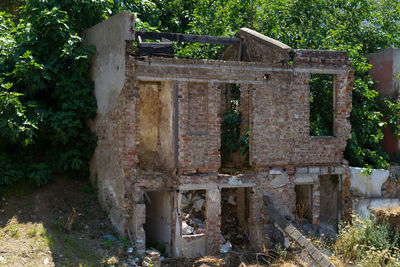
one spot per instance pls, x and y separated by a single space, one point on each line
368 243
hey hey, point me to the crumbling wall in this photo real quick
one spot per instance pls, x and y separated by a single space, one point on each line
156 148
160 130
257 47
108 72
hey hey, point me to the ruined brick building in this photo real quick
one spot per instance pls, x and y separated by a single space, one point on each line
159 134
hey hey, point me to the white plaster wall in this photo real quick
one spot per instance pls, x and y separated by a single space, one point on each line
367 185
108 62
108 74
363 207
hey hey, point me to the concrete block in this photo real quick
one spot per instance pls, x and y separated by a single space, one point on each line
339 170
194 245
275 171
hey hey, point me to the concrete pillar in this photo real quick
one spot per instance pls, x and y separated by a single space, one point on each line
316 202
139 219
213 214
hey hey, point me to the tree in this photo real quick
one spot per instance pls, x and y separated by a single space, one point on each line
358 27
46 95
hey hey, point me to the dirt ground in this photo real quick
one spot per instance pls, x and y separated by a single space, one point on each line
32 232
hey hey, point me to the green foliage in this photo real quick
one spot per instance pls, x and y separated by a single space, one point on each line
321 105
45 93
358 27
231 141
368 243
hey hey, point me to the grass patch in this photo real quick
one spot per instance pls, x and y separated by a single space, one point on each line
78 248
12 230
32 232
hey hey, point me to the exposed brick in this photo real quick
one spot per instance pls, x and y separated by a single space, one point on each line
275 106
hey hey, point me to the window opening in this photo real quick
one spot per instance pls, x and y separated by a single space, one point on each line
321 104
234 134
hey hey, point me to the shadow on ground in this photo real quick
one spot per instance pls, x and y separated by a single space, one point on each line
32 232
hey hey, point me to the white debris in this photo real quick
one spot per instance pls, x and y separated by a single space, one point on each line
232 200
222 239
2 259
286 242
225 248
46 261
187 229
184 201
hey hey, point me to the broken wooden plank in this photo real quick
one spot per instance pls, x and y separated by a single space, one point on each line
181 37
294 234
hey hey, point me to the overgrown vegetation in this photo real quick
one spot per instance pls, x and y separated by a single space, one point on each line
46 95
231 138
368 243
321 105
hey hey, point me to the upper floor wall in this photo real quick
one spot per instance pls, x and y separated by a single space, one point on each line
177 103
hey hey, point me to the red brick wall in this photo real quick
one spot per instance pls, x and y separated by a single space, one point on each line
199 127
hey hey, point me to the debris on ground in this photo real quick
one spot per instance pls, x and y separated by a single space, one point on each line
231 229
226 247
152 258
71 218
110 237
187 229
193 212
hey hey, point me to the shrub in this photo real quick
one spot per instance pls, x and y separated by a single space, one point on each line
368 243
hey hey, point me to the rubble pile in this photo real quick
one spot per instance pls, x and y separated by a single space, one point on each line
193 212
232 232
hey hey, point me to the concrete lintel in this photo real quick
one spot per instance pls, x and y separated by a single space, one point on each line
153 78
235 186
301 170
234 65
313 170
208 186
339 170
305 178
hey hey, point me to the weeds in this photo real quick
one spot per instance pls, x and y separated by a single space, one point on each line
33 232
368 243
12 230
108 243
281 252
